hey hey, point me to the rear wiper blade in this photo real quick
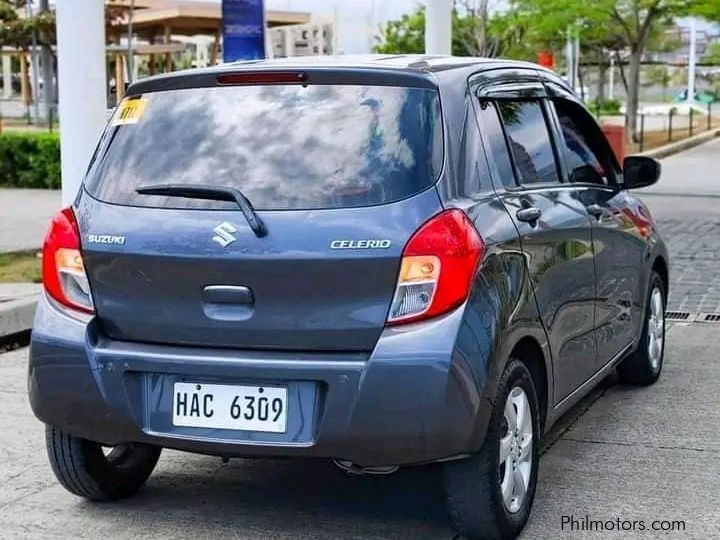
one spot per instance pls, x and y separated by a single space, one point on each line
210 193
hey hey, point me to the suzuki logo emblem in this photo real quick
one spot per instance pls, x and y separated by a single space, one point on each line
223 234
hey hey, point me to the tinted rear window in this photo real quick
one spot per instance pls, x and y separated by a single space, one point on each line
283 146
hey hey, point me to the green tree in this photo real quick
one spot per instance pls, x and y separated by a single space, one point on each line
16 30
403 36
627 25
637 19
551 21
660 76
712 56
708 9
474 33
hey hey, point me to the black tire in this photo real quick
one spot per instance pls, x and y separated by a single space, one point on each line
84 470
473 485
637 368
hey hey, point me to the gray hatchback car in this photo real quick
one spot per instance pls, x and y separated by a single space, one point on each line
384 261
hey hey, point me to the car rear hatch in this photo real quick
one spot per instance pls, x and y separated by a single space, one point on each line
340 177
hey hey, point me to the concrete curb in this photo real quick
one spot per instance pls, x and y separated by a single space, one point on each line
17 307
685 144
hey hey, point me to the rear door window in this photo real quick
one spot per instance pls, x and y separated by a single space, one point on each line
529 141
496 149
283 146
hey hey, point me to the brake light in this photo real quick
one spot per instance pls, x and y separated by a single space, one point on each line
263 77
63 272
437 269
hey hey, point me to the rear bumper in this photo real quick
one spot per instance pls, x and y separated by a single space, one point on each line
414 399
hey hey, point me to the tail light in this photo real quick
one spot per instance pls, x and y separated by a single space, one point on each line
263 77
437 269
63 272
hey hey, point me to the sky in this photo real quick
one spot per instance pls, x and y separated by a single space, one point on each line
357 19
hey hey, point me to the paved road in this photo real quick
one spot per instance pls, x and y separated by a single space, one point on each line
686 204
634 454
692 172
24 217
691 228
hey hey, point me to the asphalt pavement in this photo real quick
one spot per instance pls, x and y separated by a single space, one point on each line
694 172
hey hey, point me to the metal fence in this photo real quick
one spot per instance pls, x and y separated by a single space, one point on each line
16 116
675 126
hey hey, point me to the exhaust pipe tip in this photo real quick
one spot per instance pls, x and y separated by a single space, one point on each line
351 468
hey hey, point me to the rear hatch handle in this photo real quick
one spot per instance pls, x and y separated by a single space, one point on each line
210 193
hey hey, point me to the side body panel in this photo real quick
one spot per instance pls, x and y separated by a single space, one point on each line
622 258
557 248
621 228
501 310
558 251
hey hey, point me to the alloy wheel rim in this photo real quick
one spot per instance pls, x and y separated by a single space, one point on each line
516 445
656 328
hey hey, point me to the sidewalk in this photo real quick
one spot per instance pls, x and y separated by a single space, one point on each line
694 172
17 307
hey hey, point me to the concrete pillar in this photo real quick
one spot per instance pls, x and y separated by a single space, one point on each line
214 49
47 69
168 56
151 57
288 42
81 86
26 94
119 77
438 27
7 76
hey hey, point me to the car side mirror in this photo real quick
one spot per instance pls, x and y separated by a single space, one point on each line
640 171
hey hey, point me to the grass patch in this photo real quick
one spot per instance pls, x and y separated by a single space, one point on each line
20 267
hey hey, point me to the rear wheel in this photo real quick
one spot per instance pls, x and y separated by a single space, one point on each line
644 366
88 470
490 494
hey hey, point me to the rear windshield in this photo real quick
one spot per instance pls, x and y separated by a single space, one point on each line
283 146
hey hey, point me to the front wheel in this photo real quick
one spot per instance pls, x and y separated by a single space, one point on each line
490 494
87 470
644 366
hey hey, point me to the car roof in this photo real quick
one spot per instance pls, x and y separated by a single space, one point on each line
426 63
435 69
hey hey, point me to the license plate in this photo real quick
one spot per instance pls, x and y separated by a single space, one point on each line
220 406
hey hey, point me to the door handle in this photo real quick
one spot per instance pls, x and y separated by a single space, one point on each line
596 210
227 294
529 215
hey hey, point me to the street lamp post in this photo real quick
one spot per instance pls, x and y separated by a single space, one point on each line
438 27
34 67
130 58
691 63
81 86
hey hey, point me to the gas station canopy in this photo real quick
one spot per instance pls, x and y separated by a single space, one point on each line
152 17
